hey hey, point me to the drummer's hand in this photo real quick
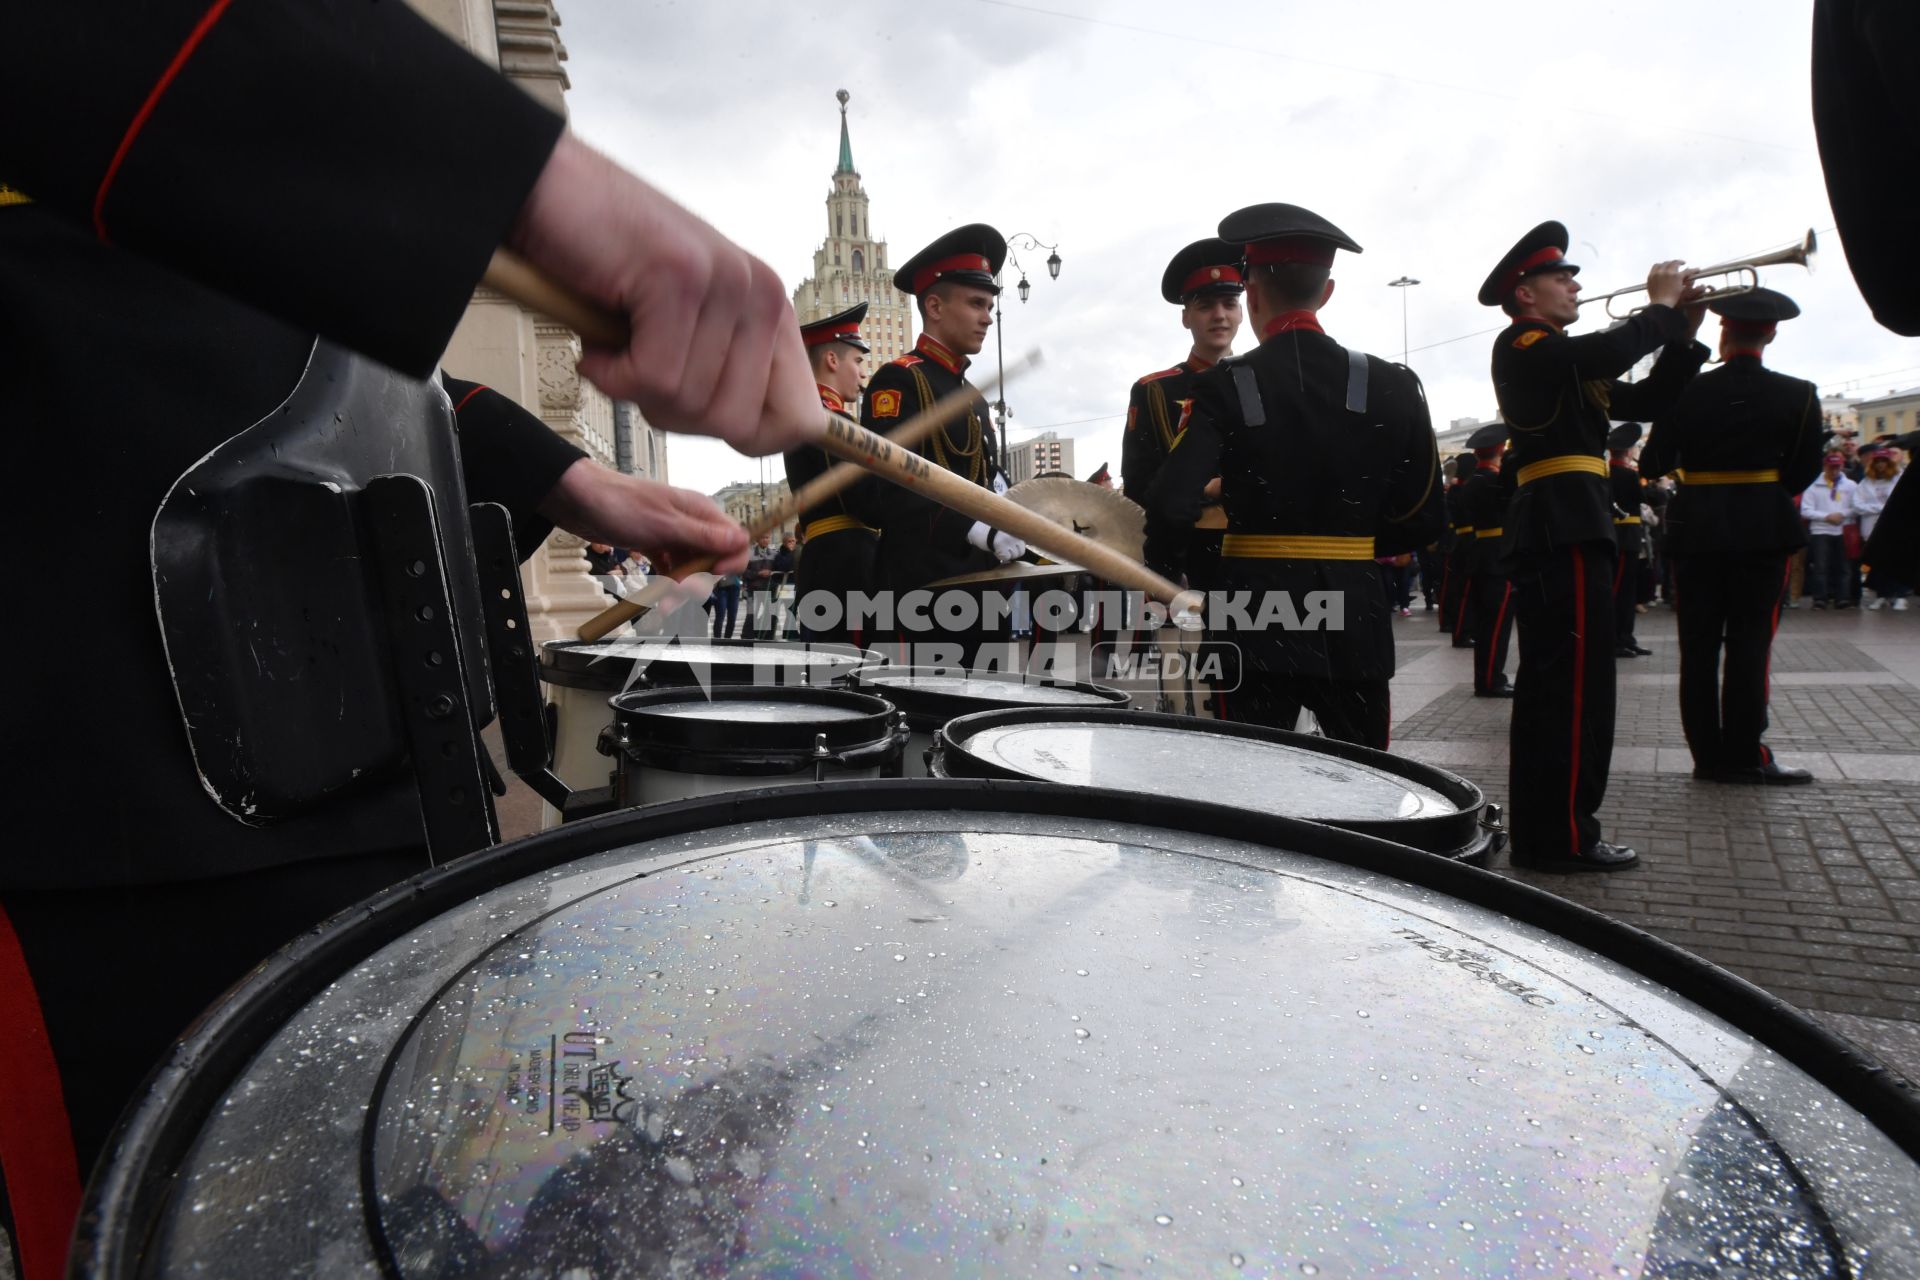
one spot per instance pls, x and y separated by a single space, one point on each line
715 348
672 525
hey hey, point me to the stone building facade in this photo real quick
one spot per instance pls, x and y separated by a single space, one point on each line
851 265
528 357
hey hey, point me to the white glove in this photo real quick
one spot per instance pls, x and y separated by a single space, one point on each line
999 482
1004 546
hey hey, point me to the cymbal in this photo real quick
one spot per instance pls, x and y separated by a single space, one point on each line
1015 571
1105 515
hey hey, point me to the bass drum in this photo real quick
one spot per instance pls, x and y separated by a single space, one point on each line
669 744
929 698
976 1028
582 675
1289 775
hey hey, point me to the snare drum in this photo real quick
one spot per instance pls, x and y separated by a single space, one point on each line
929 698
972 1028
582 675
668 744
1271 771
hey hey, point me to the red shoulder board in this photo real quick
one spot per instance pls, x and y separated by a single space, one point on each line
1531 336
1155 377
908 361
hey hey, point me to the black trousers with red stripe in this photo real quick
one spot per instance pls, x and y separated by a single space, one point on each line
1730 600
1562 732
1357 711
1492 620
1626 594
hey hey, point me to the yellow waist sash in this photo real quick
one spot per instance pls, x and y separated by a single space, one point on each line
1561 465
1626 519
834 524
1768 476
1267 546
1494 532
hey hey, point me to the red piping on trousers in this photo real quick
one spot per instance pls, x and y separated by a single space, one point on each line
1579 689
140 117
36 1144
1493 641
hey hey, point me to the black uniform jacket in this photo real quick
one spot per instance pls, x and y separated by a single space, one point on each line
294 161
920 540
1557 394
1482 500
1740 417
839 559
1312 468
1623 484
807 463
1863 110
1156 415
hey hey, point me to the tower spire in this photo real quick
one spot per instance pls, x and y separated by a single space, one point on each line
846 145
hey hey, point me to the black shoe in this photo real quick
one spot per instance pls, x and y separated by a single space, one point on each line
1429 606
1819 604
1625 652
1503 691
1771 774
1639 651
1843 604
1599 856
1463 644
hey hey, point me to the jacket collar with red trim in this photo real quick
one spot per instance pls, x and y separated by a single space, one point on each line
940 355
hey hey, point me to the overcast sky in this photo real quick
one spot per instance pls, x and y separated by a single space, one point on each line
1433 134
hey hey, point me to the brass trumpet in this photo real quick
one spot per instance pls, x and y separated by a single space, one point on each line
1744 271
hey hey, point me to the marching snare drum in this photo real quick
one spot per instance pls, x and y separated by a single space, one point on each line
668 744
582 676
1271 771
929 698
982 1028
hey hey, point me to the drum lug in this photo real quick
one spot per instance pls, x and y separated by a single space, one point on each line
821 757
612 740
1493 821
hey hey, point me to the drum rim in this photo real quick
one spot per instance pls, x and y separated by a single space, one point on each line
1460 834
565 662
694 746
129 1191
934 708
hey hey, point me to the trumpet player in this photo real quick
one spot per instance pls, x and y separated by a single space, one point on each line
1557 393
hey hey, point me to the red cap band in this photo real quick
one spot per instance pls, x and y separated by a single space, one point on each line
1209 276
924 278
832 333
1307 249
1532 262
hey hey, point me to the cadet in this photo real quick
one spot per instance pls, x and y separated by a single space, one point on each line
1745 441
1629 533
921 541
1556 393
1327 459
1455 617
1204 281
840 549
1484 499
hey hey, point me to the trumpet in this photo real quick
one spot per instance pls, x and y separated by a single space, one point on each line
1743 275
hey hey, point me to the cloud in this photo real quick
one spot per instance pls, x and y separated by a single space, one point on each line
1434 134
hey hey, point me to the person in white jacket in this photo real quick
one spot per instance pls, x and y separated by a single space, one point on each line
1869 500
1827 506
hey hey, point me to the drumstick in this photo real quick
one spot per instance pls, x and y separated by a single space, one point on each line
815 491
522 282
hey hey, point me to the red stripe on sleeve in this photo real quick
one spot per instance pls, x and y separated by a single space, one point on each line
36 1145
186 51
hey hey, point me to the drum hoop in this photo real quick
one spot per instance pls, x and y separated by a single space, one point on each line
1457 834
929 709
130 1190
566 663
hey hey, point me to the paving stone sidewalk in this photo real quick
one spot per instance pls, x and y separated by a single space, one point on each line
1812 893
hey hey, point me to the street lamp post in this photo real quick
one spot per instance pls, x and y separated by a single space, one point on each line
1403 284
1032 244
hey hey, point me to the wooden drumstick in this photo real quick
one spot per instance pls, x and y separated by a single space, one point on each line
815 491
522 282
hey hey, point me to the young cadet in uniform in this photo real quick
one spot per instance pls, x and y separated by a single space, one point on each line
1327 459
1744 440
1203 280
1456 612
223 183
921 541
840 549
1484 498
1623 481
1556 393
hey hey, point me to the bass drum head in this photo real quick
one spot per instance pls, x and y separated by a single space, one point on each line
1268 771
997 1029
613 665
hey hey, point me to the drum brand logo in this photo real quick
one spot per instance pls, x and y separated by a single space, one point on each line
1477 963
